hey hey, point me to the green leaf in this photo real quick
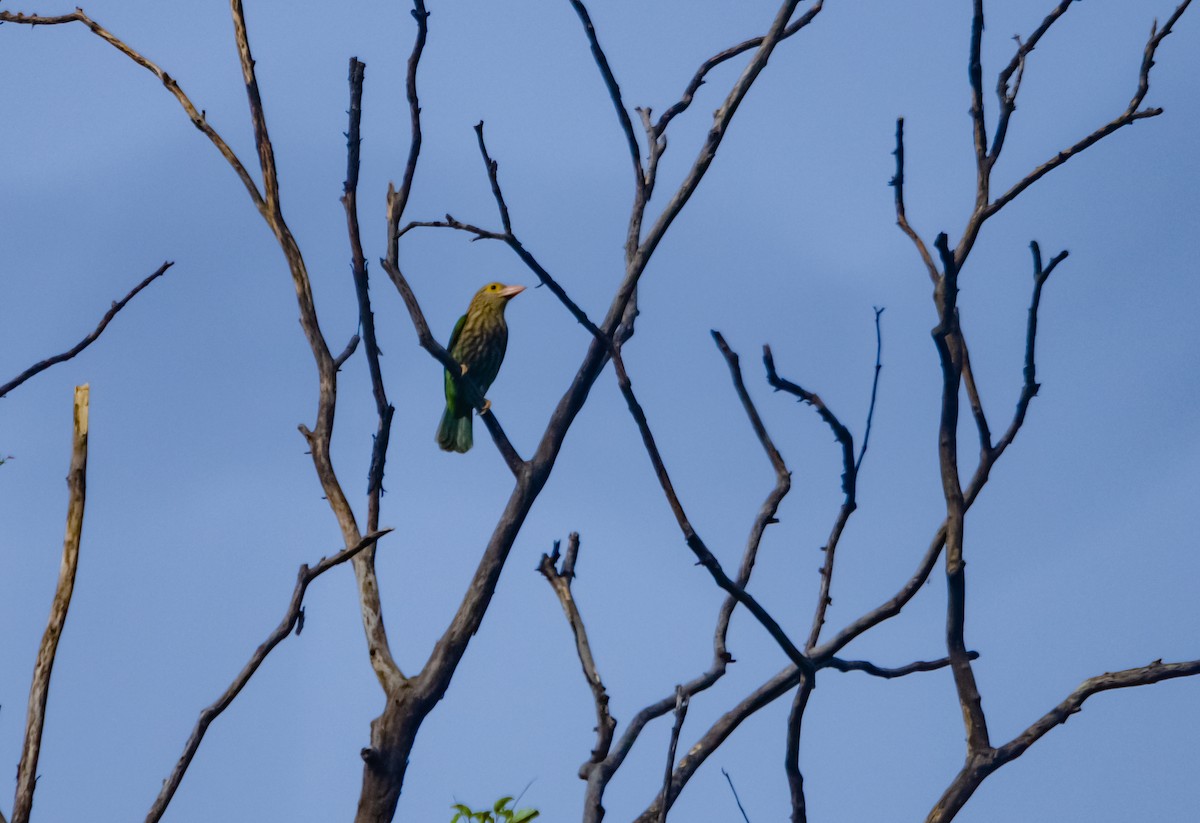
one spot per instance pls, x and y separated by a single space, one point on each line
500 804
525 815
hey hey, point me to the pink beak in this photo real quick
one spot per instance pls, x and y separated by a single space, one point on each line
509 292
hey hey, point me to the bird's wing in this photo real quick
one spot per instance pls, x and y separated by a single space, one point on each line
458 327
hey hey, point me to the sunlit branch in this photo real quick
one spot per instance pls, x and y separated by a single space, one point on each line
39 689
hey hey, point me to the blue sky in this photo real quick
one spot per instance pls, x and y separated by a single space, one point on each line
202 504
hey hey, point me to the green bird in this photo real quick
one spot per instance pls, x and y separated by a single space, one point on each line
477 342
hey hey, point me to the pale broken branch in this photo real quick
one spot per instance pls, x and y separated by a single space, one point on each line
39 689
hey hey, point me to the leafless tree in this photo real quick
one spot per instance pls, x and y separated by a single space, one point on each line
412 695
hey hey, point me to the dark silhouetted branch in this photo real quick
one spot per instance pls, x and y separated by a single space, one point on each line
736 799
890 673
791 757
366 317
37 368
849 487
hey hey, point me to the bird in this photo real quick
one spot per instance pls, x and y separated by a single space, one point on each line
477 343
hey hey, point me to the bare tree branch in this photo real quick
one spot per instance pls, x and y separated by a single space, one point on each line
849 487
698 79
196 116
366 317
681 707
1007 88
897 184
1131 115
983 166
889 673
614 92
304 577
736 799
693 540
599 774
770 506
39 689
560 581
791 757
37 368
1154 672
397 199
1030 387
980 765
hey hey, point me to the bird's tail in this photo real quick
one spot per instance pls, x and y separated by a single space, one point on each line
454 433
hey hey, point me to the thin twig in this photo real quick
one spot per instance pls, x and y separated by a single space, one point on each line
983 167
1030 386
195 115
693 540
1007 87
37 368
304 577
698 79
1131 115
849 487
770 507
366 317
560 581
736 799
614 89
897 183
862 452
681 707
39 689
397 199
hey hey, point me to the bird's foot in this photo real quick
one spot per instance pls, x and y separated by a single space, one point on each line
463 373
487 406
